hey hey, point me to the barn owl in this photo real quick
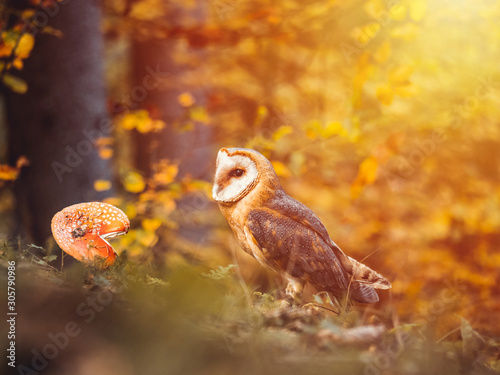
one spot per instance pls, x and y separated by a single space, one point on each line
283 234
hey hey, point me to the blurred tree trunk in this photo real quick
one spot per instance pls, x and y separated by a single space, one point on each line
191 148
57 121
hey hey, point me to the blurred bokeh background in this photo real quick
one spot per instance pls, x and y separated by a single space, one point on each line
381 116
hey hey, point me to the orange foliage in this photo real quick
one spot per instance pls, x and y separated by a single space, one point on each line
381 117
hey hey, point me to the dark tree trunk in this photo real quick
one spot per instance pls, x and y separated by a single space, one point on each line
192 148
57 121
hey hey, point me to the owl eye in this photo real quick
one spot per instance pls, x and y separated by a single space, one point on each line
236 172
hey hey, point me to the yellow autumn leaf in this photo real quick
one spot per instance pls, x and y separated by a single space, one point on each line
18 63
105 153
126 241
315 129
385 94
282 131
134 182
8 41
262 113
8 173
186 99
383 52
405 91
25 46
199 114
204 187
400 75
150 126
368 170
102 185
165 173
16 84
5 49
22 161
417 9
129 121
281 169
367 175
147 239
135 248
439 223
364 71
150 225
147 9
398 12
55 32
130 210
141 121
167 201
333 128
28 13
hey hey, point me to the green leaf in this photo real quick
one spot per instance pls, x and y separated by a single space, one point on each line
39 262
35 247
50 258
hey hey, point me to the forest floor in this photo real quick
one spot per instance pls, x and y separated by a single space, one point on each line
135 319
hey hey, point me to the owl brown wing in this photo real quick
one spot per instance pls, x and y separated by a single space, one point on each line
301 213
294 240
290 247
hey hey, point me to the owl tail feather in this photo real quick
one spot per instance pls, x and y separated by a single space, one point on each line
367 277
362 293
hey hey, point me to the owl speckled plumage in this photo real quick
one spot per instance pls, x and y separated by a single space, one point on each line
282 233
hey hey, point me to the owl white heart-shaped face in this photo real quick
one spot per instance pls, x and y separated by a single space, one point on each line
235 175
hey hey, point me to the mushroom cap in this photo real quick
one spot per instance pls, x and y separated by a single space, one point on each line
81 230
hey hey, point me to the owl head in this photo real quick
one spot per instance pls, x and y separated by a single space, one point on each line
240 171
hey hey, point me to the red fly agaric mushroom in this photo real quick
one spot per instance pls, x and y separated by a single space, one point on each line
81 230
